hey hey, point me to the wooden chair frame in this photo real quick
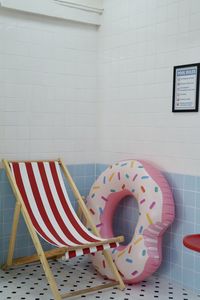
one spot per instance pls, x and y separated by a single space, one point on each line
58 252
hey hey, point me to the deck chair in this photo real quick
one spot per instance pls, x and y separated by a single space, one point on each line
42 199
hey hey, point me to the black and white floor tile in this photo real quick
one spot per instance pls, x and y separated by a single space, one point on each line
29 283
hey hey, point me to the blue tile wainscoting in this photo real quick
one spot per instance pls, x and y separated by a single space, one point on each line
179 264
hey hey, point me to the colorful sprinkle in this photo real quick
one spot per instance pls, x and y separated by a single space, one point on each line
100 210
149 219
121 273
93 195
96 187
138 240
132 163
156 189
129 250
105 199
142 201
111 177
127 176
113 191
114 250
99 225
123 186
124 164
118 175
143 252
144 177
140 167
152 205
104 179
133 190
130 261
92 211
136 175
104 264
143 189
134 273
141 229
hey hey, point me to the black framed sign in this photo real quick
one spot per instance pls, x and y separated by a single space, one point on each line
186 88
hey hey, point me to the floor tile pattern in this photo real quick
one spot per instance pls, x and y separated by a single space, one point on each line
29 283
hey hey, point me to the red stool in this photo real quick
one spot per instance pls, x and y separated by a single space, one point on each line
192 242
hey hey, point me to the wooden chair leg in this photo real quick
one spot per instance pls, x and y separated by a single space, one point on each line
42 257
50 277
113 267
13 235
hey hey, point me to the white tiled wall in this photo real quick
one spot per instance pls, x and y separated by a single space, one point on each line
47 88
139 43
48 81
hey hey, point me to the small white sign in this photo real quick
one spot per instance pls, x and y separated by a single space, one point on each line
186 88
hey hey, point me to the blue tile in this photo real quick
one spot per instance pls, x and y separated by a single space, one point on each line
176 272
3 175
167 238
197 282
189 198
188 278
89 181
167 254
78 170
178 196
198 184
179 212
100 168
177 226
189 214
165 268
197 228
89 170
197 262
189 182
198 200
198 216
188 260
175 256
177 181
71 169
188 228
176 242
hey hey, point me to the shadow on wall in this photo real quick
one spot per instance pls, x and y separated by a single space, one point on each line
126 218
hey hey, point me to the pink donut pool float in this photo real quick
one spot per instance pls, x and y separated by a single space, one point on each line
143 255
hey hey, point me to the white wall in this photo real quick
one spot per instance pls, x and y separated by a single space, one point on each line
139 43
47 88
48 96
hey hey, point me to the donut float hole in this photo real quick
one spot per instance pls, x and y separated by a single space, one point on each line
126 218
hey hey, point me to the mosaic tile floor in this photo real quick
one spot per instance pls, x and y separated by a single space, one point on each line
29 283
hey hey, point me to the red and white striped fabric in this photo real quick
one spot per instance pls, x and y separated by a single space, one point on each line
44 194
